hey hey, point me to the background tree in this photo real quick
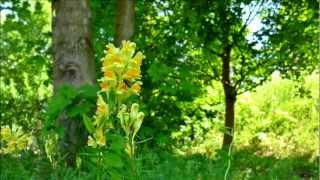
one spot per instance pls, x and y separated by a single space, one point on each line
241 59
228 55
124 21
73 62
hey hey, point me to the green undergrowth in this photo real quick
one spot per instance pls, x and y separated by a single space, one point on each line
157 165
275 138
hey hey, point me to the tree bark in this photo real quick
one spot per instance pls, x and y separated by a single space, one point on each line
229 120
73 63
124 21
230 97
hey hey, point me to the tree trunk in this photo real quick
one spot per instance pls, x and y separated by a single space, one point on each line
124 21
230 98
229 120
73 63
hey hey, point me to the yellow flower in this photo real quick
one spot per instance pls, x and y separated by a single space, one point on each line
117 59
92 142
120 65
13 141
106 63
138 59
22 144
136 87
5 132
105 86
122 88
118 68
109 74
132 74
101 139
128 48
112 49
102 107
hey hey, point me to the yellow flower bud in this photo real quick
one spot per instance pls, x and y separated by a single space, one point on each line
138 59
128 48
91 142
112 49
102 107
101 139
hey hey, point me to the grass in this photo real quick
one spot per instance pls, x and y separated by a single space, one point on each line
157 165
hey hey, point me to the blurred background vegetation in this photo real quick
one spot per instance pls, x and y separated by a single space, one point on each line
276 115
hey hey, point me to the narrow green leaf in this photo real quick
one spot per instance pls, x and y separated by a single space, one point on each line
88 123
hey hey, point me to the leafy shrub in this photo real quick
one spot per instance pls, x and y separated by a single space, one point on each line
278 118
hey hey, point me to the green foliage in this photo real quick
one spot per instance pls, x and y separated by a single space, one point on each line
108 161
88 123
25 53
158 72
182 97
165 165
281 118
103 13
292 28
201 116
75 102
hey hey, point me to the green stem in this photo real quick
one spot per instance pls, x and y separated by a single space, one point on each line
131 156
